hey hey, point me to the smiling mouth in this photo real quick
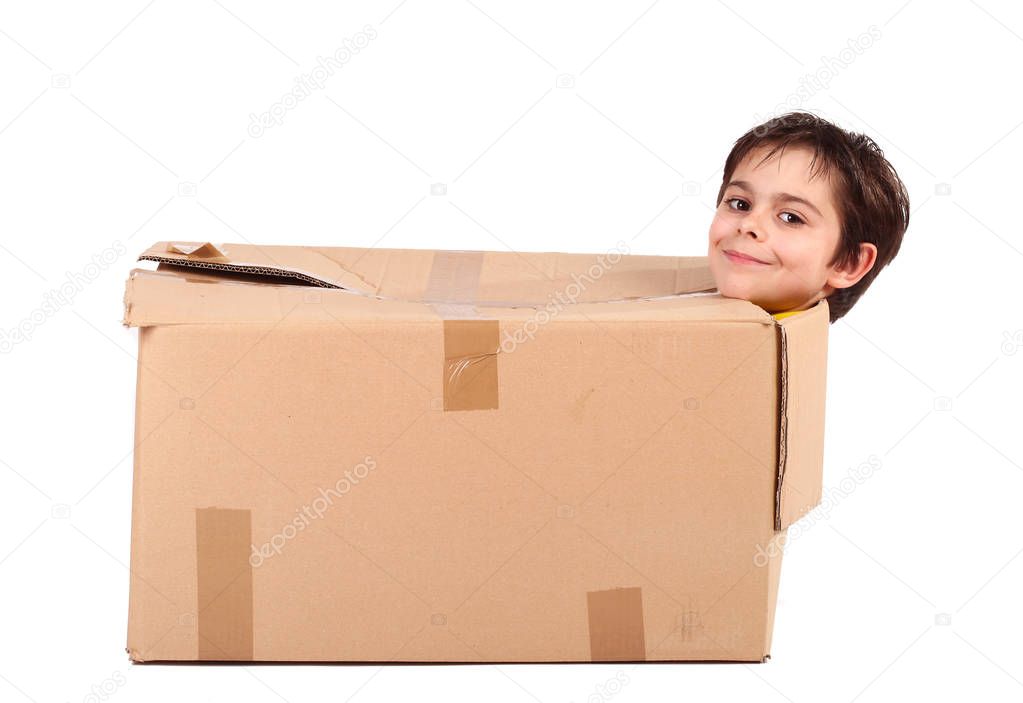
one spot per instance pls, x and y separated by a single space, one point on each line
737 258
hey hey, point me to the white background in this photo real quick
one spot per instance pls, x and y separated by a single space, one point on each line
908 585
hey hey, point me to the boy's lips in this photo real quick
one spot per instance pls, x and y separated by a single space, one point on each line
740 258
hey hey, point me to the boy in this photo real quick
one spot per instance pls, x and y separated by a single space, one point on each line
786 235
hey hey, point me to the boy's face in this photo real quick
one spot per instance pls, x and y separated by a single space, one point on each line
794 240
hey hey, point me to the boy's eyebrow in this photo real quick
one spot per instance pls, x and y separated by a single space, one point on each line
780 197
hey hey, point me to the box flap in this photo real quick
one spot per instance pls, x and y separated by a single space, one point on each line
297 264
803 352
486 277
185 296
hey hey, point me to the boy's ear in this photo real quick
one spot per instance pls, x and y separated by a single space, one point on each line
855 270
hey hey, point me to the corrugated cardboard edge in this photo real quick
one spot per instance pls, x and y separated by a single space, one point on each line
129 297
303 264
241 268
802 378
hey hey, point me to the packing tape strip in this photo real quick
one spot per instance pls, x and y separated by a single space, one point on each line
454 281
616 625
223 539
470 364
471 344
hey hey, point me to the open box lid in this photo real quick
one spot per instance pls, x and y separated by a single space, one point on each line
425 275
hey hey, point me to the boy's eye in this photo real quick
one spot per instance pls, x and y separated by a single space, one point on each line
797 220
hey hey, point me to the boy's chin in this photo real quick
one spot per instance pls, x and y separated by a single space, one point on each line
736 289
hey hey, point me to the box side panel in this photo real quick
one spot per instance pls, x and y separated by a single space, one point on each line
803 341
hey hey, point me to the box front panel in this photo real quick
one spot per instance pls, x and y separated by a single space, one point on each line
613 505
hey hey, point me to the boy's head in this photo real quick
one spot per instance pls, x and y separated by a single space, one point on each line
820 208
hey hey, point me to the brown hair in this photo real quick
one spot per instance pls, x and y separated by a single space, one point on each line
871 200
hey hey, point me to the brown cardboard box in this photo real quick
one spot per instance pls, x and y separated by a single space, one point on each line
410 455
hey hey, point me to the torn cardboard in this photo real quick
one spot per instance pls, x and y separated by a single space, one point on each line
414 455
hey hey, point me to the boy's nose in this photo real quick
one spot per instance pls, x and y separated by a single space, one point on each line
751 225
754 231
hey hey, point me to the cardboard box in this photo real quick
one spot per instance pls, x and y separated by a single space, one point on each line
410 455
